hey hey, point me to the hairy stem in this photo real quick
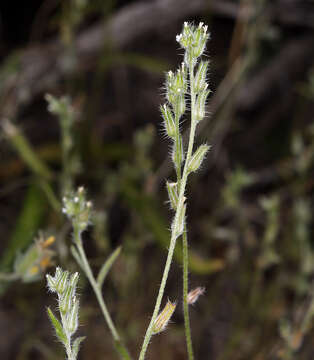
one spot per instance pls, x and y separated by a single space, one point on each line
185 296
173 239
187 325
89 274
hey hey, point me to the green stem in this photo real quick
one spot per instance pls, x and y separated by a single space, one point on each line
67 345
187 325
149 331
69 349
185 296
89 274
173 239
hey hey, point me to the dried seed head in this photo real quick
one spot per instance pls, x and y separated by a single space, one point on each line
163 318
194 294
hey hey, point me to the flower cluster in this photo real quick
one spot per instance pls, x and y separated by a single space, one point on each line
193 40
188 81
65 285
78 209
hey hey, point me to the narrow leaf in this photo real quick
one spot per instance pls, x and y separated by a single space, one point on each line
57 326
76 345
107 266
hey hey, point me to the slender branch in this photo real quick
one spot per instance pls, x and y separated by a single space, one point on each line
181 199
148 334
89 274
187 325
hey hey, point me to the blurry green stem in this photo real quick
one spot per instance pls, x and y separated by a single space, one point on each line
97 290
9 276
25 150
66 145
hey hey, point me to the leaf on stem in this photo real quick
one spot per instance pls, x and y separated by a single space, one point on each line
107 266
76 345
57 326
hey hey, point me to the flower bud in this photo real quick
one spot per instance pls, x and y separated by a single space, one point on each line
71 321
77 209
51 283
65 302
173 194
62 282
200 77
170 125
201 103
198 158
177 152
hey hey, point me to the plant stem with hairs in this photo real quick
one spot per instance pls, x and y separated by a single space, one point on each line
185 82
78 210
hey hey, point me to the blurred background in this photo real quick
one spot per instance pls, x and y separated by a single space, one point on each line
250 207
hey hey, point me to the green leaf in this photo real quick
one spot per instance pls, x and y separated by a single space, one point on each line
57 326
26 151
121 349
28 222
76 345
107 266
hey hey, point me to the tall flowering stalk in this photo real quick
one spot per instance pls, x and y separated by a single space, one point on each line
187 83
78 210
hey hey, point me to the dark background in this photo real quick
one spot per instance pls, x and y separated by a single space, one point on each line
250 223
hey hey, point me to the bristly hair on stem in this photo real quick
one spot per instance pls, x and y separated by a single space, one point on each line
186 85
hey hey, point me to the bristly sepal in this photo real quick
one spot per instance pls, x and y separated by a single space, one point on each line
198 157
